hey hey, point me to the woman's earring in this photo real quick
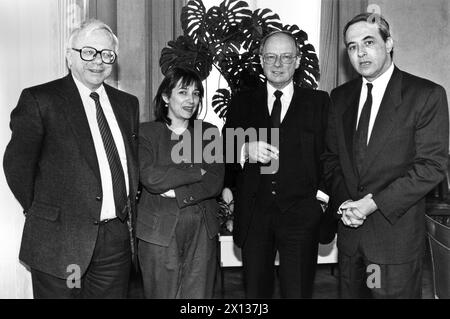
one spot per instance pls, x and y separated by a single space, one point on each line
167 105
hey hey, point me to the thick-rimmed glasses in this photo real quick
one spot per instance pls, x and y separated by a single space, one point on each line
89 54
285 58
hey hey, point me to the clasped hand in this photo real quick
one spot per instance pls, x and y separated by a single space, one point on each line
354 213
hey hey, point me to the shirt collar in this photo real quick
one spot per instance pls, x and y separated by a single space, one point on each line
85 91
288 90
383 79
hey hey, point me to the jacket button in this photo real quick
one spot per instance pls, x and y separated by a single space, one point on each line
98 198
361 188
96 222
191 198
185 201
274 192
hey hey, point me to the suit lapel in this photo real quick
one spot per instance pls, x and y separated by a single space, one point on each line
123 120
293 109
349 117
77 119
384 123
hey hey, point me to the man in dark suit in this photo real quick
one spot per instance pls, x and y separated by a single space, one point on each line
387 147
277 210
72 165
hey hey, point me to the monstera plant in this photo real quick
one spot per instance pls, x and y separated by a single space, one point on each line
227 37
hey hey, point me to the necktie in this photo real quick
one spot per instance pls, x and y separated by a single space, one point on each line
275 116
118 178
360 140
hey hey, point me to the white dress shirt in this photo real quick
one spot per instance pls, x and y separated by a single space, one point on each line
379 87
286 98
108 206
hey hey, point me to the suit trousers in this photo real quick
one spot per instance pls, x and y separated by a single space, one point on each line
360 278
107 275
295 235
186 268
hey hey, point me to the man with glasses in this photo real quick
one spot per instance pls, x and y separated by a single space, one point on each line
278 211
71 163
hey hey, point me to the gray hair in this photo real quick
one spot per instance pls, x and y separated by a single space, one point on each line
87 27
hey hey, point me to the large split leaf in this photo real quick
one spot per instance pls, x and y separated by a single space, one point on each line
193 21
220 102
262 22
184 52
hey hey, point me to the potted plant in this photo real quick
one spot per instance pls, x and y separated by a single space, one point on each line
227 37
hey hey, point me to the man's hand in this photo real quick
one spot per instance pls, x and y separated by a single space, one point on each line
354 213
365 206
352 218
261 152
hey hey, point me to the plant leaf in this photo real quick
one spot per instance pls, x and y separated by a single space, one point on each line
221 101
242 71
184 52
193 21
299 34
262 22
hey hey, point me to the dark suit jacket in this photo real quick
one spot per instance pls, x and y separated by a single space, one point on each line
406 158
52 169
301 145
158 216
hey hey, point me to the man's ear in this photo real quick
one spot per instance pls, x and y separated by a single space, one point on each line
389 44
297 61
69 57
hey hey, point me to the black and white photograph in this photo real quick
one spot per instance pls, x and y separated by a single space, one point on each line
224 154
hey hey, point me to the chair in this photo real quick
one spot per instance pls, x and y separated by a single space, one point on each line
438 222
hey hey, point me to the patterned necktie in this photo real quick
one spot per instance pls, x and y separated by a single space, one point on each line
360 139
118 178
275 116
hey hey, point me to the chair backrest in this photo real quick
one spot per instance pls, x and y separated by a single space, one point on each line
439 240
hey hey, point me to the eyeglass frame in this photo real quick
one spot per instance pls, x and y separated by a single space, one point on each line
279 57
96 53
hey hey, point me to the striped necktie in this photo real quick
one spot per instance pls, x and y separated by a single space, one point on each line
118 177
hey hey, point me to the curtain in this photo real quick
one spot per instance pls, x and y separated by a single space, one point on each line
335 67
144 28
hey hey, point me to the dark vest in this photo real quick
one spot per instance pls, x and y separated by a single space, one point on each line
296 177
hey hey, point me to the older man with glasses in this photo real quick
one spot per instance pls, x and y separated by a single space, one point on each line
72 165
278 210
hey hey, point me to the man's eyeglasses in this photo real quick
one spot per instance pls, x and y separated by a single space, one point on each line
285 58
89 54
